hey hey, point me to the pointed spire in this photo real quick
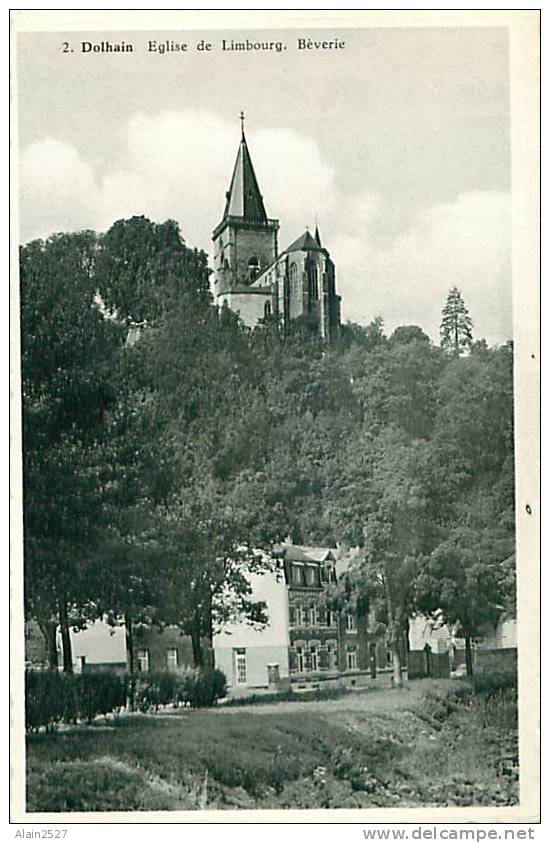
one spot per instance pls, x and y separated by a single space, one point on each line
317 235
244 199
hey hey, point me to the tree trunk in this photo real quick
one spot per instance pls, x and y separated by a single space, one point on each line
65 637
469 663
397 676
129 644
198 659
395 636
49 631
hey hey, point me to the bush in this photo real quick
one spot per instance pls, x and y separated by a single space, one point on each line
208 687
52 697
199 688
98 693
49 699
492 682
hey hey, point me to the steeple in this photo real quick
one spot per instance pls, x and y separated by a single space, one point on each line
244 199
317 235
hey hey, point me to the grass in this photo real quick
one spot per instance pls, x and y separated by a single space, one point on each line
433 742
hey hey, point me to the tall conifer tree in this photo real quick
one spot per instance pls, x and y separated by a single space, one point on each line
456 325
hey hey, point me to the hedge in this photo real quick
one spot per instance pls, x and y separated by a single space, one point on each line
197 688
52 697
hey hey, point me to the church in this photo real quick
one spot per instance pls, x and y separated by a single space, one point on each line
255 279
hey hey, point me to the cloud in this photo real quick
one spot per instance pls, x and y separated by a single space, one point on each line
178 164
58 190
466 243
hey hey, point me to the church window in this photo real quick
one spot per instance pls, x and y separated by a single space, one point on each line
313 278
253 268
293 276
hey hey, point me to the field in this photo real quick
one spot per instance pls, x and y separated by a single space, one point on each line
433 742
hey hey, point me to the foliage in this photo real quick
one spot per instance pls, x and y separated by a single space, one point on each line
197 688
378 752
51 697
456 325
159 432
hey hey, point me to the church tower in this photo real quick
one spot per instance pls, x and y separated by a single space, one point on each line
245 241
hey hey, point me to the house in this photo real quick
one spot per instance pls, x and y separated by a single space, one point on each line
306 641
496 650
256 280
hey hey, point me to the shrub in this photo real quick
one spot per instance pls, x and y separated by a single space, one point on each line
491 682
52 697
98 693
199 688
208 687
49 698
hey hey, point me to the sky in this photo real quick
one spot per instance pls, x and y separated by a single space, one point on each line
398 144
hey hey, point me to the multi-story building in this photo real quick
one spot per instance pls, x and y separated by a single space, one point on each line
307 639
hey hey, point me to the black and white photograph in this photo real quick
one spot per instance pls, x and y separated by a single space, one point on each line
275 415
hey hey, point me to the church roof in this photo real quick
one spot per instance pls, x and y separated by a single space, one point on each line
244 199
305 242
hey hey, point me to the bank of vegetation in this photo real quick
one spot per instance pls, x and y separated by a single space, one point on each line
161 434
434 742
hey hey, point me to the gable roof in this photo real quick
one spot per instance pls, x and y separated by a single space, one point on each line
304 553
305 243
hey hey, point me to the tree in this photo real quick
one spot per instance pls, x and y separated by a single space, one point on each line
456 325
464 581
470 576
382 503
67 350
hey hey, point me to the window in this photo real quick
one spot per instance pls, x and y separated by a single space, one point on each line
297 574
143 661
253 267
172 658
350 623
332 655
331 618
310 575
313 278
351 655
240 667
299 615
267 310
292 615
314 661
300 659
313 615
293 276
